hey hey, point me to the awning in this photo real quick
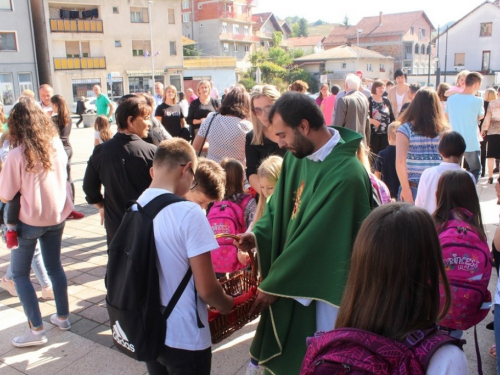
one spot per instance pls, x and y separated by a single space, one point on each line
143 73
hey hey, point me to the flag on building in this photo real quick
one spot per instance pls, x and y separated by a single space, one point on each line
157 53
146 53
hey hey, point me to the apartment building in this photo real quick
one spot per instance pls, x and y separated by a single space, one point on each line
220 27
18 70
404 36
81 43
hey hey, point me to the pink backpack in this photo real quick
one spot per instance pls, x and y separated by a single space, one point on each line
357 352
227 217
467 260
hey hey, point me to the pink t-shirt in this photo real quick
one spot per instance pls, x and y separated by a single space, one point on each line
45 195
328 105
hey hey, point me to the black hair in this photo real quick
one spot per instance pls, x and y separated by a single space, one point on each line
399 73
451 144
335 89
293 107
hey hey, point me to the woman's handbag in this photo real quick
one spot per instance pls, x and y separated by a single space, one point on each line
206 134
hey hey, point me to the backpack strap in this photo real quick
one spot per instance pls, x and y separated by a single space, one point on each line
159 203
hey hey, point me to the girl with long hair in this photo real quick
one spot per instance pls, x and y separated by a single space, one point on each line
102 130
62 121
170 112
490 130
417 141
36 168
412 260
201 107
261 142
268 174
324 92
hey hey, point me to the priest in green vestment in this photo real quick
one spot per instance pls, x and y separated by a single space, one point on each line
305 237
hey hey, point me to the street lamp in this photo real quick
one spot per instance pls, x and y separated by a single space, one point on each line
151 54
358 31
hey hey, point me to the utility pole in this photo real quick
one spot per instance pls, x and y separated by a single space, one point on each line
151 53
438 63
446 55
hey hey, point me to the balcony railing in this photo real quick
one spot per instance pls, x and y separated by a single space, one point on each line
236 16
78 63
76 26
239 37
210 62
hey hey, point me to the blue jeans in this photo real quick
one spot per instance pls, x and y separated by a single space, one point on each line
497 335
473 159
38 268
50 243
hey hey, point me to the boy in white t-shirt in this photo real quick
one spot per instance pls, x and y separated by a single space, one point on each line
183 239
451 148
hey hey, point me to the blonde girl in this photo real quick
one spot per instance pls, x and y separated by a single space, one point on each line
102 131
268 174
459 84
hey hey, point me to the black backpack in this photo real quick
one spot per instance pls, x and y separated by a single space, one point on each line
133 298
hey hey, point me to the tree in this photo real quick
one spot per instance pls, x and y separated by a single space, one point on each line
346 21
303 27
191 51
298 73
277 38
295 30
318 23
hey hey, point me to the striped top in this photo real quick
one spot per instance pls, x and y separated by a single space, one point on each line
422 152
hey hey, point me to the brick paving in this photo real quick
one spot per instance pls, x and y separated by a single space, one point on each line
84 260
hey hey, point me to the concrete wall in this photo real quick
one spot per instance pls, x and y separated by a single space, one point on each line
23 60
221 78
465 37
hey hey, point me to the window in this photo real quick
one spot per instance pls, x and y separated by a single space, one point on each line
422 32
185 17
185 4
247 48
7 89
118 43
5 4
140 47
486 29
25 82
429 49
138 15
412 30
171 17
368 67
344 65
173 49
459 59
235 48
422 49
236 29
225 47
382 67
245 30
224 28
485 62
115 10
8 41
85 46
72 49
417 49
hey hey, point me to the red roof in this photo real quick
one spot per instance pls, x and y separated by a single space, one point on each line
305 41
260 19
396 23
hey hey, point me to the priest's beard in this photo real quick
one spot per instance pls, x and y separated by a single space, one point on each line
301 146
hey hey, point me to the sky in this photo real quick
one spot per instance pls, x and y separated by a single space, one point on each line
439 12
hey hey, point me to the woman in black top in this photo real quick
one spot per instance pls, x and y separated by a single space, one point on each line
201 107
261 141
381 115
62 121
170 113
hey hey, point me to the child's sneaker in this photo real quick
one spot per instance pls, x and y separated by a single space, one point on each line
62 324
9 286
254 369
11 239
47 293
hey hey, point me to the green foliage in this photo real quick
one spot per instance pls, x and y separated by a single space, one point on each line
191 51
299 73
296 53
270 70
346 21
248 82
279 56
303 27
277 38
295 30
318 22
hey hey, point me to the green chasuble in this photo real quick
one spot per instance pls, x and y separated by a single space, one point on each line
304 241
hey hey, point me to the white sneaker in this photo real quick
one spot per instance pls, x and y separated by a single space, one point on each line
62 324
9 286
31 339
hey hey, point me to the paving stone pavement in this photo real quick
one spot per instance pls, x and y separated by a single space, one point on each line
88 347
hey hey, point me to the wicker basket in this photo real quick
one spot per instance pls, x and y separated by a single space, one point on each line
240 282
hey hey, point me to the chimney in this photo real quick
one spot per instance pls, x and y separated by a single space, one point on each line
380 17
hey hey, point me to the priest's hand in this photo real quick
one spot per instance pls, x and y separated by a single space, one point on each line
262 301
246 242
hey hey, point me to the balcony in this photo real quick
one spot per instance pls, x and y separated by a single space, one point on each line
210 62
76 26
233 16
78 63
239 37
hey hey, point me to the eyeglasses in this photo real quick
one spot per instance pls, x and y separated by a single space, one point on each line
259 111
195 182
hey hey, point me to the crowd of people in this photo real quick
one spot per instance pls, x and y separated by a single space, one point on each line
284 164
